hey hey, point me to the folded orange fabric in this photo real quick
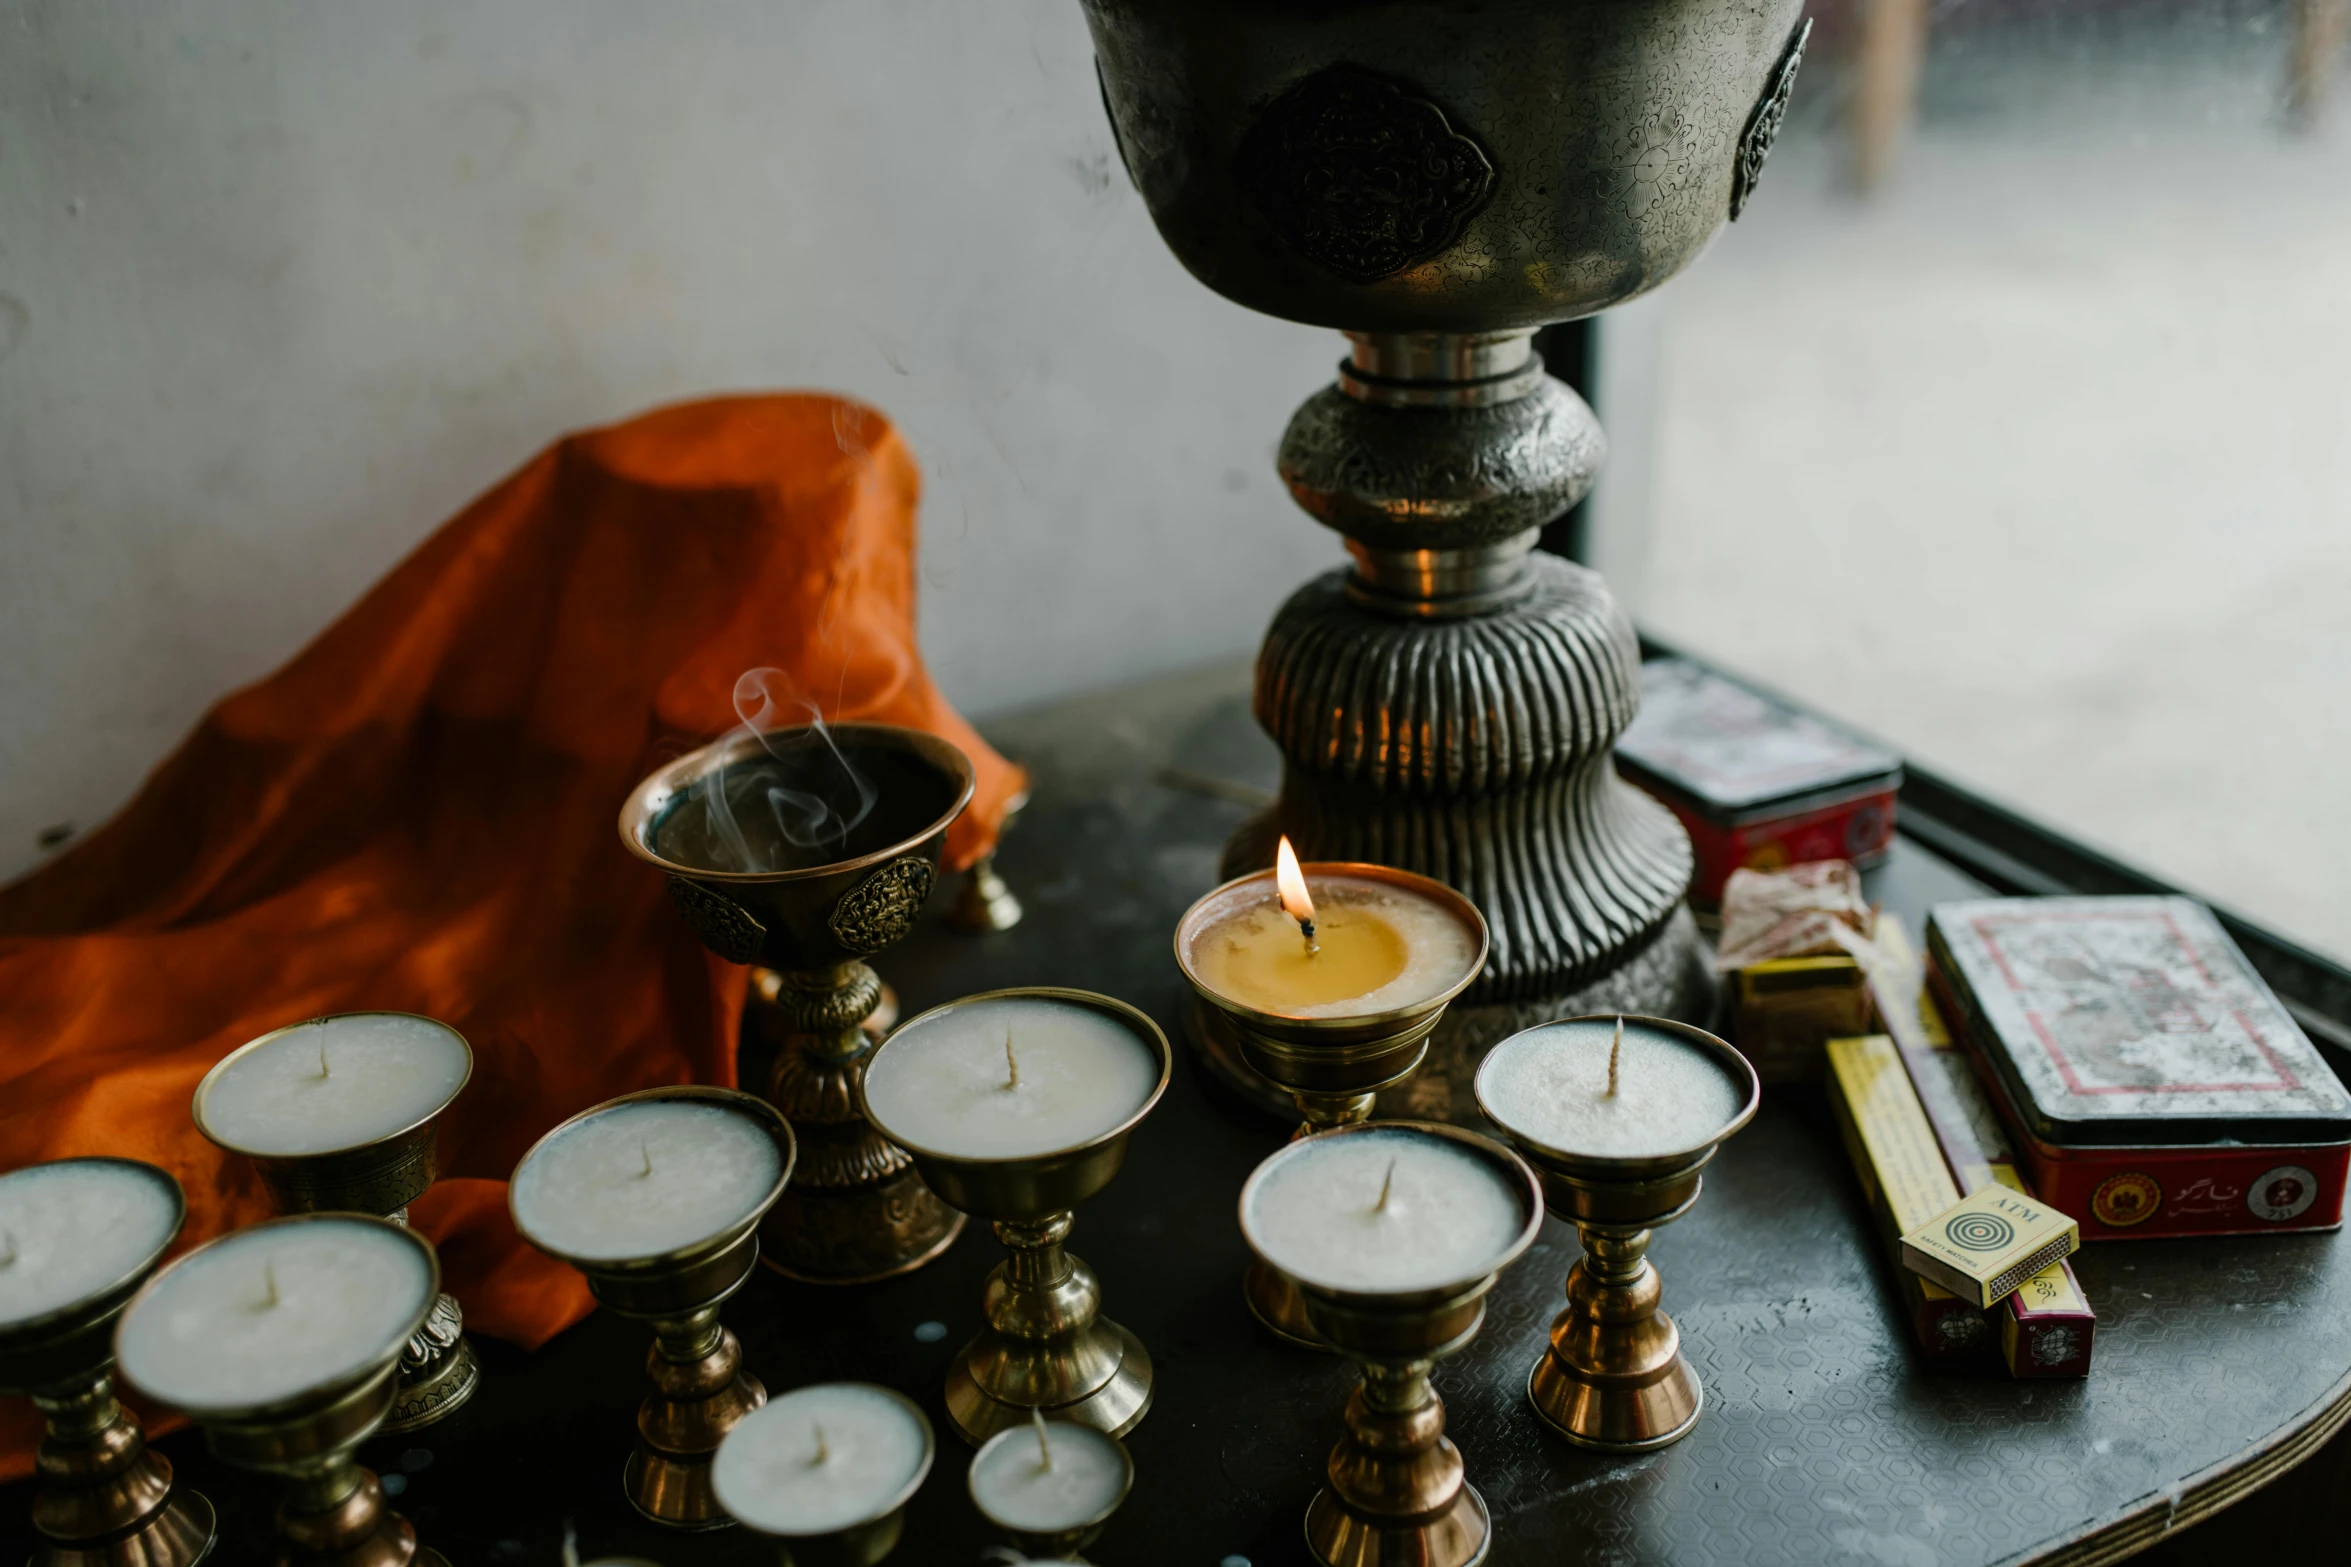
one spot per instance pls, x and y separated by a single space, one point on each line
418 813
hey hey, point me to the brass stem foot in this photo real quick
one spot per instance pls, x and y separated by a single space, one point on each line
438 1371
105 1500
339 1518
1046 1345
856 1211
1613 1378
1395 1491
700 1391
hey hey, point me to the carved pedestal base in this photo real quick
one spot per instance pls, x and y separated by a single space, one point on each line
438 1371
856 1210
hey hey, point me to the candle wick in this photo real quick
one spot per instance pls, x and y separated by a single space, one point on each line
1044 1448
824 1452
323 1069
269 1275
1387 1181
1306 929
8 1261
1615 1049
647 1150
1011 1063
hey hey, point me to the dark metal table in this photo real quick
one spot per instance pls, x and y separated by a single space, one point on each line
1824 1439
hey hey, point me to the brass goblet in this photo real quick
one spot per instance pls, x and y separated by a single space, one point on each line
1613 1377
857 1212
1046 1346
334 1513
438 1369
1332 1067
104 1499
700 1389
1395 1489
855 1536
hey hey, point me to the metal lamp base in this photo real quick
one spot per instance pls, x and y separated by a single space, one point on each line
438 1371
1115 1407
1459 1537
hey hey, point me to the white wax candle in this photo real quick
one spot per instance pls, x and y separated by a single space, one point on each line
644 1179
1378 947
1316 1210
822 1459
333 1083
944 1082
71 1230
1075 1479
1549 1085
269 1313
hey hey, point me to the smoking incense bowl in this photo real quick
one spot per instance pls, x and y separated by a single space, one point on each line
856 1209
1440 180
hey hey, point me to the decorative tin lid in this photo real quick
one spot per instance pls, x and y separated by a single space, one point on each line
1730 748
2132 1021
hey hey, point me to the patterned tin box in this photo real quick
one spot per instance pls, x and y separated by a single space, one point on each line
1755 782
2155 1085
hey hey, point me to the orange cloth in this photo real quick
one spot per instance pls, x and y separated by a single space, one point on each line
418 813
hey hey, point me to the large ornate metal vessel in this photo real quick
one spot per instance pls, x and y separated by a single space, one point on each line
1438 178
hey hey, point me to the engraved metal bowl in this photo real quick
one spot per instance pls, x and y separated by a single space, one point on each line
827 911
1441 165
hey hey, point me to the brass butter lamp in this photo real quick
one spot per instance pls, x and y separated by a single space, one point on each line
438 1370
1613 1377
334 1512
1395 1489
1333 1068
1047 1345
856 1210
103 1498
700 1389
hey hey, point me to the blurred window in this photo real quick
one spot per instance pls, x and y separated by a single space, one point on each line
2013 423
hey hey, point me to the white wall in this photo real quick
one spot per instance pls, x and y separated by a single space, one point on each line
283 285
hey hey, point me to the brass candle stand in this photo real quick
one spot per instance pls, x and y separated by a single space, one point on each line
1395 1490
334 1512
104 1499
857 1211
1046 1346
871 1539
1613 1377
700 1389
1332 1067
1439 181
438 1370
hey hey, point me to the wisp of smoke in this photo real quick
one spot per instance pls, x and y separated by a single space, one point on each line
818 809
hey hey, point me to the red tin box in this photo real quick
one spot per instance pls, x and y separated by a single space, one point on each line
2153 1083
1755 782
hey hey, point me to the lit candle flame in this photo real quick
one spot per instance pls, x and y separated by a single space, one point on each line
1615 1049
1296 901
1044 1448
